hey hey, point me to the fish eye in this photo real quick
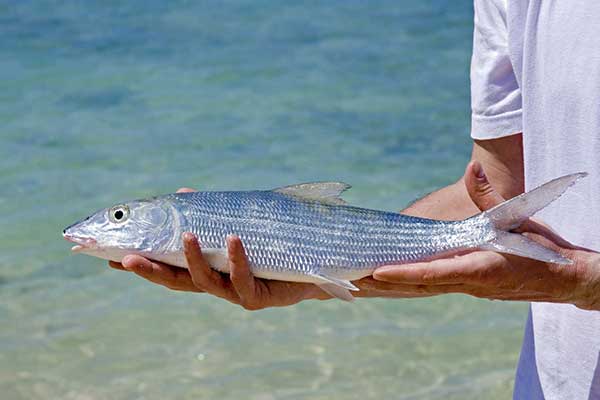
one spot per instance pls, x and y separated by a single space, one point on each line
118 214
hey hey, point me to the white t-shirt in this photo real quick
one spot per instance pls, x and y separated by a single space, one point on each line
536 69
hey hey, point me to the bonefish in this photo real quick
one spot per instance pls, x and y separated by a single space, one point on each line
305 232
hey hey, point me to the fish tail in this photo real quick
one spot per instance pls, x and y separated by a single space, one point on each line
512 213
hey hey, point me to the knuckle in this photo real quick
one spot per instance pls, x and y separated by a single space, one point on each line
483 275
197 282
429 277
484 190
422 289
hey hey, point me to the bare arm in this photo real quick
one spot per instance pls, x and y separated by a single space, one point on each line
502 159
493 275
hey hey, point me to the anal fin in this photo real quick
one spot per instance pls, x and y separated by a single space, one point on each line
339 288
336 291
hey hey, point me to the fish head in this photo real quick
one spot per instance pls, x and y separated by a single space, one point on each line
135 227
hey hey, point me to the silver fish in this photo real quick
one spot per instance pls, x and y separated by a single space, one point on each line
306 232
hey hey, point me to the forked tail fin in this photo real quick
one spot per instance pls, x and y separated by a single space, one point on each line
512 213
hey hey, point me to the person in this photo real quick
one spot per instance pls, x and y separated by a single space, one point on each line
535 85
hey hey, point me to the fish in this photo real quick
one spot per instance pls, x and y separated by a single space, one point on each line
306 232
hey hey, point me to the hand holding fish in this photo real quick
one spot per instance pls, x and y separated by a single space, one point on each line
499 276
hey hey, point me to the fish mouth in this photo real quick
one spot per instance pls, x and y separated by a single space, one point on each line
81 243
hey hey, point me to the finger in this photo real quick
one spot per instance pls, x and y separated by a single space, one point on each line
241 276
534 226
186 190
203 276
172 277
474 268
370 287
479 188
116 265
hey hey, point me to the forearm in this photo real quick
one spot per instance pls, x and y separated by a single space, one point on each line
449 203
502 159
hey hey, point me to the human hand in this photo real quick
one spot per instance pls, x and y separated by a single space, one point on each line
493 275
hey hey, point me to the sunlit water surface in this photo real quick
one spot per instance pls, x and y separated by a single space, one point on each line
108 101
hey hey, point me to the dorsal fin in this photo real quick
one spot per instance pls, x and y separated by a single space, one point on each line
324 192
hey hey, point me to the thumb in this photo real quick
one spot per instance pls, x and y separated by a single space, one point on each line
479 188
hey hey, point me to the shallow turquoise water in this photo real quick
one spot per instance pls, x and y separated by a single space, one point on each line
106 101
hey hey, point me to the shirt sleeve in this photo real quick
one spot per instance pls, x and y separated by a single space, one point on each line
495 94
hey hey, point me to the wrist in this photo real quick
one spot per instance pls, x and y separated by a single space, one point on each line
587 271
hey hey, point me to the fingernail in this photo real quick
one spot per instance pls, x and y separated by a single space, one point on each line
129 263
393 273
189 236
231 239
383 270
386 269
382 275
126 261
394 267
478 170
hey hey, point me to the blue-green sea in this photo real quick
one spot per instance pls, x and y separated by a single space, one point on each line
104 101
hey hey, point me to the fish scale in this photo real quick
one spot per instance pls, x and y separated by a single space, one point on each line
326 235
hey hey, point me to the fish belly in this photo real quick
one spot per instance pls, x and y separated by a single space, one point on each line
217 259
